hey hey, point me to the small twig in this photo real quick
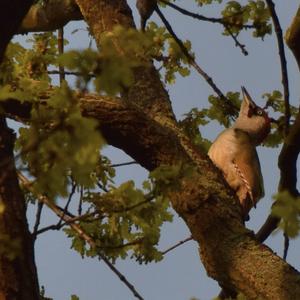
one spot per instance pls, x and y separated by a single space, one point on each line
124 164
192 61
284 72
56 72
48 228
102 187
176 245
81 233
67 213
38 218
286 246
60 44
73 190
237 43
80 202
60 225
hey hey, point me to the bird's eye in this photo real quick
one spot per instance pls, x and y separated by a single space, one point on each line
259 112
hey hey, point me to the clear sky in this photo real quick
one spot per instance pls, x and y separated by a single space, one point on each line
180 275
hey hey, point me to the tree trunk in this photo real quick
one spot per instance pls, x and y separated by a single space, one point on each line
18 276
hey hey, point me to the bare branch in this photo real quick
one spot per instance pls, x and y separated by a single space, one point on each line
38 218
176 245
124 164
73 190
284 73
286 246
237 43
56 72
80 201
60 46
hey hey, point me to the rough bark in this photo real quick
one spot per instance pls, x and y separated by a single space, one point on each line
147 91
292 36
18 277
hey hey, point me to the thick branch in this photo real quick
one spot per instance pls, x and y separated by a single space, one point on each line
50 15
229 251
287 163
147 91
18 277
292 36
11 14
284 73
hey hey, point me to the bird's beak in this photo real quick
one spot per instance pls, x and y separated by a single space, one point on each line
247 98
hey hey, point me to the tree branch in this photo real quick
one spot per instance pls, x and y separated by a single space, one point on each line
81 234
292 36
193 62
284 73
49 16
204 200
37 218
124 164
221 21
287 163
176 245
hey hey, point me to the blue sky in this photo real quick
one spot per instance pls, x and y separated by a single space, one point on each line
180 275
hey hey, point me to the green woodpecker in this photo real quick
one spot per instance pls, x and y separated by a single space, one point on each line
146 9
234 153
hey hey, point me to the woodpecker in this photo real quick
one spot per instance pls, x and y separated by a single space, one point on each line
234 153
146 9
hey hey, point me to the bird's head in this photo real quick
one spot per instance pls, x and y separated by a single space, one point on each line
253 119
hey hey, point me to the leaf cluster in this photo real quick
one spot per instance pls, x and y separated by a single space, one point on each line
58 143
167 52
236 15
128 223
287 207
